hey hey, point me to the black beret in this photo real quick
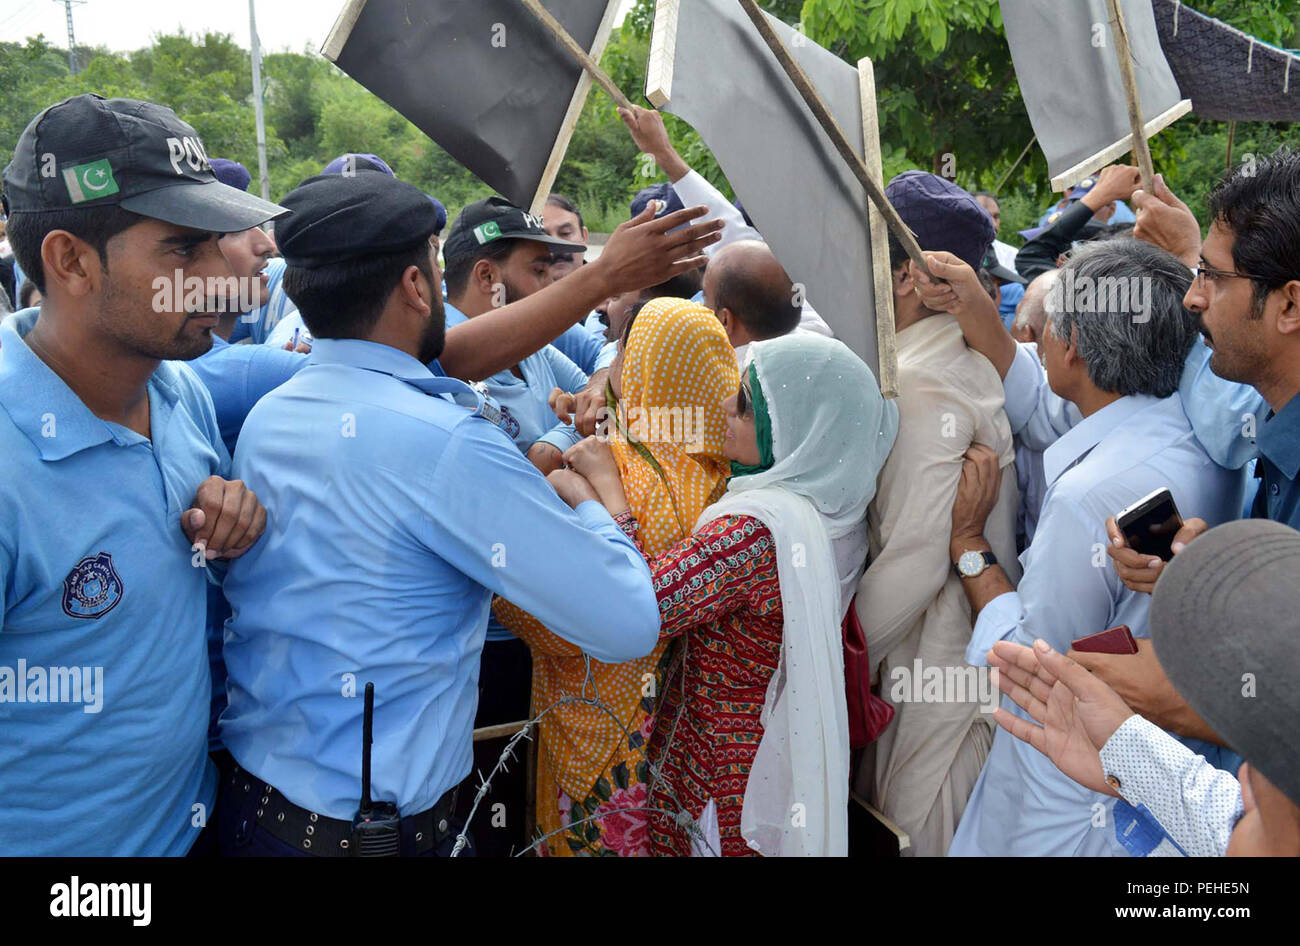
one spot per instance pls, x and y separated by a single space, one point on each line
339 217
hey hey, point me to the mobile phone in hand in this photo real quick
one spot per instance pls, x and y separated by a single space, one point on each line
1150 524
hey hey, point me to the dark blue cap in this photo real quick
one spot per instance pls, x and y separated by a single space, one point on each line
942 215
231 173
662 192
339 217
440 210
349 164
1082 188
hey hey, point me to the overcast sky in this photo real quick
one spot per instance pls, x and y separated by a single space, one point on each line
125 25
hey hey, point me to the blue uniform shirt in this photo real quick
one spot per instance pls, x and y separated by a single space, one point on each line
238 375
96 578
581 345
525 402
394 516
1279 463
257 325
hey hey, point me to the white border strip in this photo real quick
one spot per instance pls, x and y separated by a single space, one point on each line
342 29
1089 166
663 49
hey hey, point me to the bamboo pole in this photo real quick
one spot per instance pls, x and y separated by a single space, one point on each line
824 118
580 55
998 189
1141 151
485 733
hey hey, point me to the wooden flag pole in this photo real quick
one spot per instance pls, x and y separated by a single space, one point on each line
1141 150
580 55
823 115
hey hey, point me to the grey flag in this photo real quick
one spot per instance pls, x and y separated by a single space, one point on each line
794 185
480 77
1070 81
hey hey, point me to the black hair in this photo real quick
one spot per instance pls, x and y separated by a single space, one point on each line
559 200
765 310
27 230
1115 231
682 286
345 300
25 294
457 270
1261 206
632 313
897 255
989 282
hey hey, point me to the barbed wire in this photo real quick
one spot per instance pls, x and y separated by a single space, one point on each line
589 696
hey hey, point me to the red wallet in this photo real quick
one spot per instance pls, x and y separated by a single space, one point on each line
1113 640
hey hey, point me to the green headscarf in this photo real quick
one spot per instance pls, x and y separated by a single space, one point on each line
762 427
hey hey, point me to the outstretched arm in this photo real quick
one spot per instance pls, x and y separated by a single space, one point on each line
640 253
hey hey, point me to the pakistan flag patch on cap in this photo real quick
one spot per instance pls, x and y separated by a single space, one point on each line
487 232
90 181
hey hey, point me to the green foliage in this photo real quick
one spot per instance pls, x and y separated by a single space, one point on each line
947 93
949 99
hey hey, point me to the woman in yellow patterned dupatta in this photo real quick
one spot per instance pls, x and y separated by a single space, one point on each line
674 370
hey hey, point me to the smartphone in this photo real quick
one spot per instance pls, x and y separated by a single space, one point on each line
1150 524
1113 640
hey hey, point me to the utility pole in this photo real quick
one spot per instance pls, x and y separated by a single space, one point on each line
72 39
257 100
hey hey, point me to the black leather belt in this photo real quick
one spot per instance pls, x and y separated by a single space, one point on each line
331 837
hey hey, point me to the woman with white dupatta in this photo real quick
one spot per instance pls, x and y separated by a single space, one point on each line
751 733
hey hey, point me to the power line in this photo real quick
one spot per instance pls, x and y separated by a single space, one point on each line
23 14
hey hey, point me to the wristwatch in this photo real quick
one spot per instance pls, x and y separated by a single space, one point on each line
973 564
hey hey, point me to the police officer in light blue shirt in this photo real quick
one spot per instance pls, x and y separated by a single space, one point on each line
115 504
496 254
400 510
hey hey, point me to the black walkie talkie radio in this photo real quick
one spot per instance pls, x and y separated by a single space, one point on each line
376 829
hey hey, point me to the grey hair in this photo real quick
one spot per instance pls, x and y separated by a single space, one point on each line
1123 303
1033 310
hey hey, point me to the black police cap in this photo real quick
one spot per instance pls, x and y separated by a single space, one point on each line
337 218
89 151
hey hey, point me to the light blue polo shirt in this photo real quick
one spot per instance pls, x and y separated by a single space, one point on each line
104 749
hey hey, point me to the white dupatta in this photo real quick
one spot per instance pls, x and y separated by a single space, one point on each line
831 433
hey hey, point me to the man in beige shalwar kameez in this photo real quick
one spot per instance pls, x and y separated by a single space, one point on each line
910 601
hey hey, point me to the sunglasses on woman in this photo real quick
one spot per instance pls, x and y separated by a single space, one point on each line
744 400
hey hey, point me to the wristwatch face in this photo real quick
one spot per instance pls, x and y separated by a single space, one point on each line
971 564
